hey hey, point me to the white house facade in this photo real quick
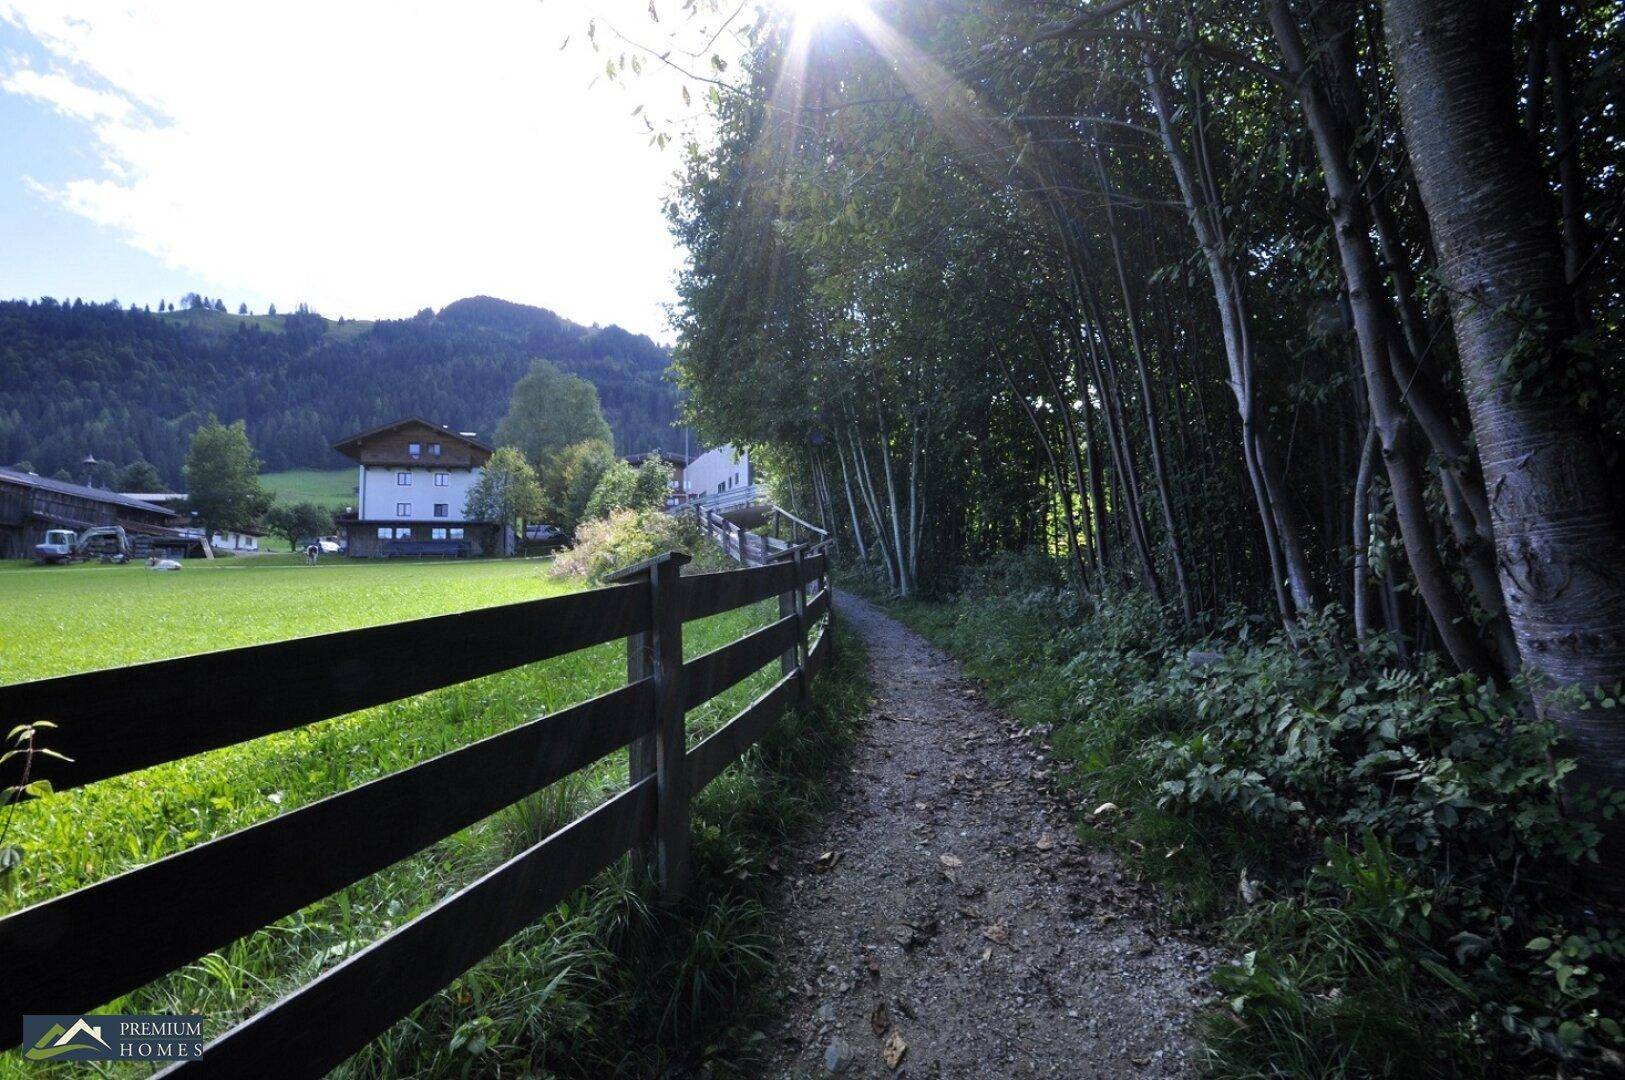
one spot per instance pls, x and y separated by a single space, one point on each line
413 478
718 470
416 493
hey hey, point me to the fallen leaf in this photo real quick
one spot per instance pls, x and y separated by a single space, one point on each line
987 954
997 932
952 862
874 968
1248 889
1045 842
895 1049
827 860
1103 808
880 1019
920 806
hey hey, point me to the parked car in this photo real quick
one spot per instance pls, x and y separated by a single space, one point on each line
328 545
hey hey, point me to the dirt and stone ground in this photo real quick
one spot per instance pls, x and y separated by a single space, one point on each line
945 922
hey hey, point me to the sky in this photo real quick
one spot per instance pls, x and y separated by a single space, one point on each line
367 157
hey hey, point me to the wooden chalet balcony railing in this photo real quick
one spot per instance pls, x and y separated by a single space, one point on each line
87 947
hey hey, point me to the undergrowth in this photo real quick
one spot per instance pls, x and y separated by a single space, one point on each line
1380 846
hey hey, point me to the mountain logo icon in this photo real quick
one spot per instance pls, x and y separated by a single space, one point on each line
59 1040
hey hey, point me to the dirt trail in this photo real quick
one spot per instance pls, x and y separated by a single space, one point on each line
946 907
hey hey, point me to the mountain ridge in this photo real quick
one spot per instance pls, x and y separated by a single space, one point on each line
122 384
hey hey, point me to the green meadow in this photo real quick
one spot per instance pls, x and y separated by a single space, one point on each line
332 488
55 621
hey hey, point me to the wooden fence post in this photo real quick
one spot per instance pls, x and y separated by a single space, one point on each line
658 655
640 753
789 660
798 558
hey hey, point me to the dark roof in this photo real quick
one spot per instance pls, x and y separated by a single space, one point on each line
80 491
393 424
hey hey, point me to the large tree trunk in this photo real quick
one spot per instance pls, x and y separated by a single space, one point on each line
1560 541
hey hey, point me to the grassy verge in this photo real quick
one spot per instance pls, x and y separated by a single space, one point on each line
1381 846
574 995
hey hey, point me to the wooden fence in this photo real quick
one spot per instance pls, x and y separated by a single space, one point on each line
80 950
752 548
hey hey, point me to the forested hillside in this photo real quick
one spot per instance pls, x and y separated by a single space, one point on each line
125 384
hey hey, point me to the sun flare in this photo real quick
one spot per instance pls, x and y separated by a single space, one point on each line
819 11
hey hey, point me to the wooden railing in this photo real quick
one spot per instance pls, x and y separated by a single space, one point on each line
87 947
752 548
732 499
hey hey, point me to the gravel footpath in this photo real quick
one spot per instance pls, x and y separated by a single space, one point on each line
945 922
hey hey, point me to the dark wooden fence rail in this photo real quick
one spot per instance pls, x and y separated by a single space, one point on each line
87 947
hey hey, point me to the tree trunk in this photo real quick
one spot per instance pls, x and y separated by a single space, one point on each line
1069 427
1059 477
1362 536
851 505
1373 323
1159 468
1559 538
1288 567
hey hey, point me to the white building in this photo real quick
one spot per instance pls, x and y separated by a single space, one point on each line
719 470
412 484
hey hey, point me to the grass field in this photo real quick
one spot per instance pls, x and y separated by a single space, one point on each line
334 488
61 620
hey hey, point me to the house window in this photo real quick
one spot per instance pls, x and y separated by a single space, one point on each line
386 533
403 479
442 510
437 534
456 534
403 534
722 486
434 449
441 479
403 509
414 449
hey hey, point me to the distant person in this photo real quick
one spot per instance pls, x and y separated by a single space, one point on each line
311 552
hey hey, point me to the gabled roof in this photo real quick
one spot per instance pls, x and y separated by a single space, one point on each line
62 487
345 446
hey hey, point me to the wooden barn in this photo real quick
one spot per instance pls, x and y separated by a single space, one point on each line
30 504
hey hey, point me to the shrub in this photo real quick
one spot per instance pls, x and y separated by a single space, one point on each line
629 536
621 487
1414 902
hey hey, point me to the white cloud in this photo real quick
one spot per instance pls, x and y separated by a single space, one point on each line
65 95
370 157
